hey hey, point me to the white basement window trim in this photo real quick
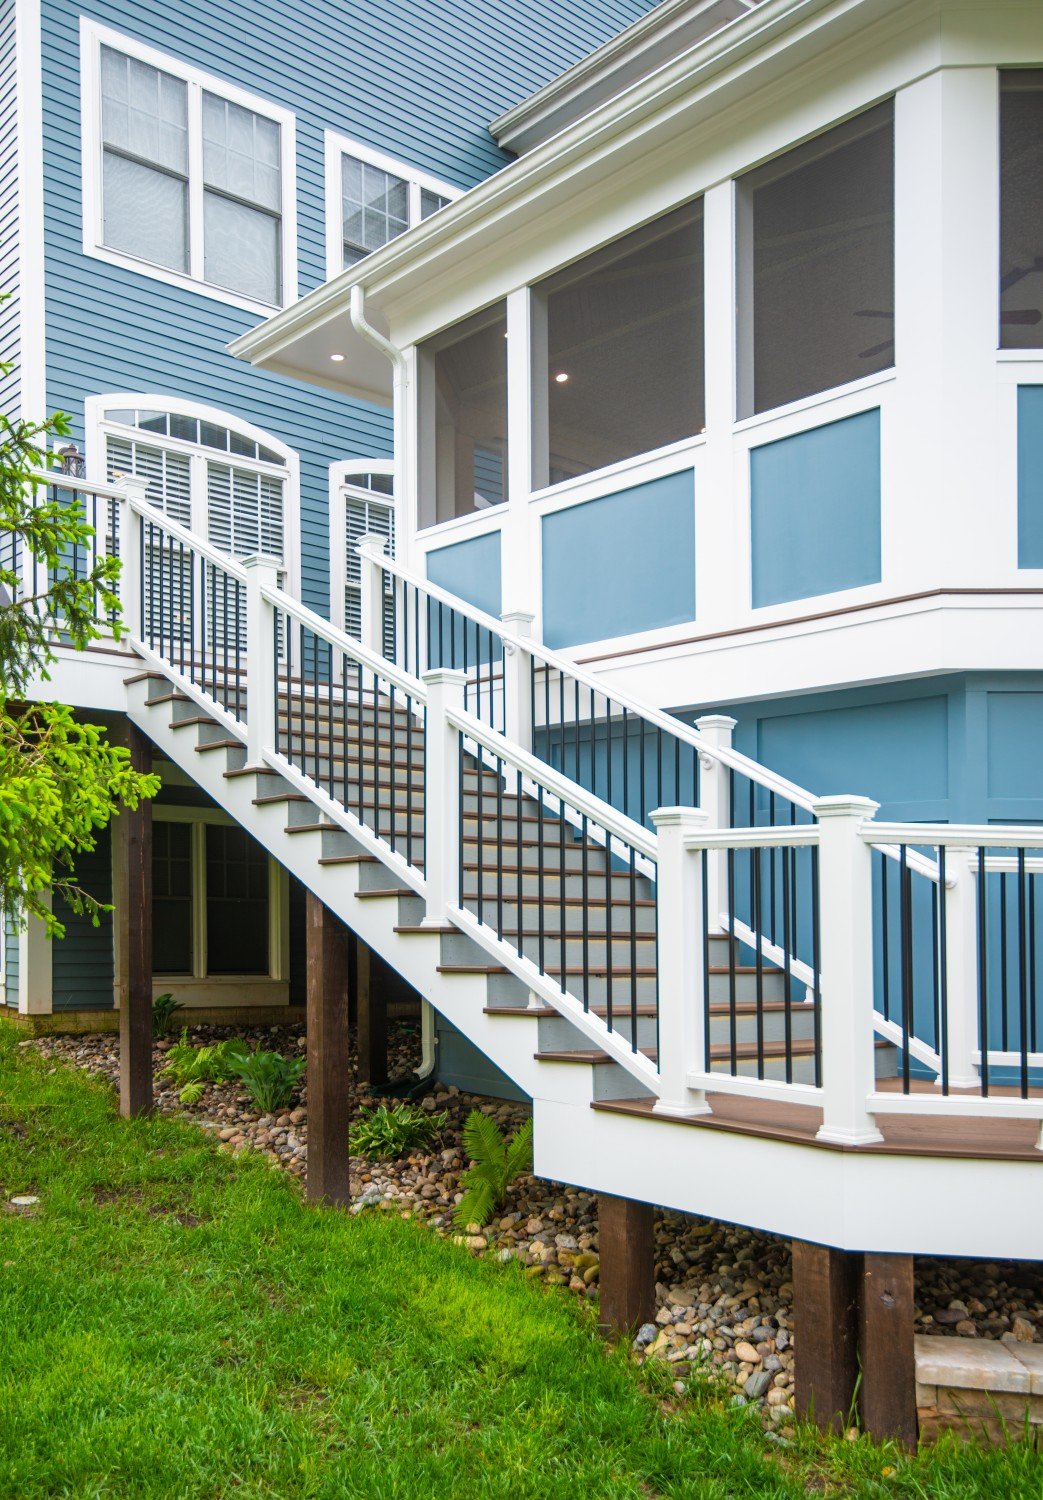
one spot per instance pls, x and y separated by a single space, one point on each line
371 198
186 178
226 480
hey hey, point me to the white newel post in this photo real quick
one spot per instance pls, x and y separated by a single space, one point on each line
845 919
262 571
517 681
130 550
715 800
372 593
445 691
961 966
679 898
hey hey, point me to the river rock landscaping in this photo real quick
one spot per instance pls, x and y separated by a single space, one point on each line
723 1293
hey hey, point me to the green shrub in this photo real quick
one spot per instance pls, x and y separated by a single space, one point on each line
190 1068
395 1131
163 1010
495 1163
269 1078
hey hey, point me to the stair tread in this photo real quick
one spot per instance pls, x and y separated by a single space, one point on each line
744 1052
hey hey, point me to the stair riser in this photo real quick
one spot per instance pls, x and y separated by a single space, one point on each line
556 1034
642 918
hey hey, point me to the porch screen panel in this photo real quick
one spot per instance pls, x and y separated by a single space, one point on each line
464 417
1021 209
816 264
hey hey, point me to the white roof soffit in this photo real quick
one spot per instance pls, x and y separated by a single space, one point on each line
672 27
442 257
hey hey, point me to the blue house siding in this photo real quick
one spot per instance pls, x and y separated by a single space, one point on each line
1030 476
10 387
620 564
419 81
9 937
82 962
815 511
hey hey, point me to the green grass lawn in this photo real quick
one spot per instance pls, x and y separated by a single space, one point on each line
175 1321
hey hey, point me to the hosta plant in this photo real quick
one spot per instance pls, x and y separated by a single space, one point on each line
395 1130
269 1078
163 1010
495 1163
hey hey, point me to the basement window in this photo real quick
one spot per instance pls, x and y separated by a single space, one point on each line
1021 209
816 264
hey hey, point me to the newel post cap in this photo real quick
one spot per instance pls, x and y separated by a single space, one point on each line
445 677
844 805
688 819
372 539
262 560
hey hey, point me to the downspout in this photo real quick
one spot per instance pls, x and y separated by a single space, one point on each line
365 330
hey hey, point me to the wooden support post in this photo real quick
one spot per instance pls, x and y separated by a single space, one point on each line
134 935
887 1395
626 1247
372 1015
825 1302
329 1057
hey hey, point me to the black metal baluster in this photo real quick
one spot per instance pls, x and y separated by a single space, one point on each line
704 857
943 955
983 973
609 924
501 766
586 913
392 791
1023 989
633 949
733 1037
885 942
816 964
480 767
755 898
788 856
1004 987
906 929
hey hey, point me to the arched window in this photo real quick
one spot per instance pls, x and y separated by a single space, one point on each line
221 477
361 501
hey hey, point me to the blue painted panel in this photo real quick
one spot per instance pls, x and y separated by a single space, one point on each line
401 79
621 564
470 569
1014 741
461 1063
1030 476
815 511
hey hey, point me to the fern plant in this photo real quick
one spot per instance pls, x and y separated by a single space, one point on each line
163 1010
394 1131
190 1068
269 1078
495 1163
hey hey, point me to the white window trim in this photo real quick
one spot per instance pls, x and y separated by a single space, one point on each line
336 146
194 987
339 491
92 38
97 429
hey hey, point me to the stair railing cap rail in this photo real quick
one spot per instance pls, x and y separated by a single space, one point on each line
957 835
105 490
733 759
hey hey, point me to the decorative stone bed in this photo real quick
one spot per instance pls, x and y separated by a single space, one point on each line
723 1293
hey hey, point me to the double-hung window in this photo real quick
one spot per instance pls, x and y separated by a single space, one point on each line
185 177
371 198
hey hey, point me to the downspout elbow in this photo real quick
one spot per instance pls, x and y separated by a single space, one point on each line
357 312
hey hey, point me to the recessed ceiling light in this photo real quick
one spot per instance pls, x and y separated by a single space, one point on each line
561 377
337 358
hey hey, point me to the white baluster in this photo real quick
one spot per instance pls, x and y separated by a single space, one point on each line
372 593
130 549
845 918
261 657
715 800
961 966
517 681
442 853
680 961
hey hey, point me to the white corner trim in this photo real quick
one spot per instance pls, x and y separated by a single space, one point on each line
31 284
336 146
92 37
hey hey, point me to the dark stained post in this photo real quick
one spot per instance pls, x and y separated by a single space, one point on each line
329 1058
133 831
825 1311
371 1010
626 1251
887 1397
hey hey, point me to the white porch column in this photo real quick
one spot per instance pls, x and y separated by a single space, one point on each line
845 918
682 1029
517 681
442 853
261 657
130 586
517 539
35 961
372 594
961 964
715 800
721 547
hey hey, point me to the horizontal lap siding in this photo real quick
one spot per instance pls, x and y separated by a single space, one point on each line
82 962
10 388
9 936
417 80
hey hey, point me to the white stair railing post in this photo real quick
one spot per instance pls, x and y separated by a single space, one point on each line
517 681
371 592
442 853
131 589
680 961
845 918
715 800
961 967
261 657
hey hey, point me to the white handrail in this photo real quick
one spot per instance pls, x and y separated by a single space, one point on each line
104 491
734 759
615 823
957 835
